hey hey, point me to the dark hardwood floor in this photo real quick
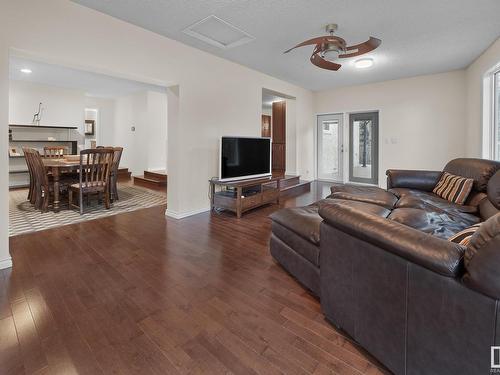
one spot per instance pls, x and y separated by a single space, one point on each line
139 293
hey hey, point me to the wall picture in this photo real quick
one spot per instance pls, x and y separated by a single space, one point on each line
89 127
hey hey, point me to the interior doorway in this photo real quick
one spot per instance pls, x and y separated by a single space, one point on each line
363 147
278 123
330 147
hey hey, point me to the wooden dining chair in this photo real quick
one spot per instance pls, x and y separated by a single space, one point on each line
54 151
117 155
27 158
95 170
42 187
113 178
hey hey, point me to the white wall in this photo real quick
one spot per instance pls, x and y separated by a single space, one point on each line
421 119
60 107
5 259
145 147
131 111
474 81
157 131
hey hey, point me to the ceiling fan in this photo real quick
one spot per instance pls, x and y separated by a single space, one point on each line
329 48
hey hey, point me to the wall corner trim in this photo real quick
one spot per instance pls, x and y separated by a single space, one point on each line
182 215
6 263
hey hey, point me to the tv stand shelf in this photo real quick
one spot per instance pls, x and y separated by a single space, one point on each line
244 195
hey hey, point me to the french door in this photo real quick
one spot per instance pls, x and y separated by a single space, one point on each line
330 148
363 147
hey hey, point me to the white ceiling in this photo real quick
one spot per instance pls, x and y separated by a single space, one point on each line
418 36
93 84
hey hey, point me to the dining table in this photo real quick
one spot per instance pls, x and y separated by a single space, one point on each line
57 166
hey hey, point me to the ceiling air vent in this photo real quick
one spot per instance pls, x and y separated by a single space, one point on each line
219 33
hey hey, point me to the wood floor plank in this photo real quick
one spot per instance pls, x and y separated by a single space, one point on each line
139 293
29 341
10 355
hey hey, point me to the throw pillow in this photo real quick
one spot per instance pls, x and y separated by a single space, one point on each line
463 237
454 188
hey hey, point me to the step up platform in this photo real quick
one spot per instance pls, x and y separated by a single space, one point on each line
124 174
292 186
152 179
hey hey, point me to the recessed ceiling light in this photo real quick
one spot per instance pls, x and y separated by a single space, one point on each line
26 71
363 63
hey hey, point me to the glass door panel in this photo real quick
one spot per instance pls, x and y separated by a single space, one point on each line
330 147
363 155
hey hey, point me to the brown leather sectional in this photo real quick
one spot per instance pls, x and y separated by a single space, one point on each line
386 274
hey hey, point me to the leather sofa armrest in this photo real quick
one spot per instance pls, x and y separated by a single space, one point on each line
412 179
482 259
441 256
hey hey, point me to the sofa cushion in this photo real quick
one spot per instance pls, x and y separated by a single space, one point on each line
303 270
441 225
301 246
453 188
304 221
367 194
430 201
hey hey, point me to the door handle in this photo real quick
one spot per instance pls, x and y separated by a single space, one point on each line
341 148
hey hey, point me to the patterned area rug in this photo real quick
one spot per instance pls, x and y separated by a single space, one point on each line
24 218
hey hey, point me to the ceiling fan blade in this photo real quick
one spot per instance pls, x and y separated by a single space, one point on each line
318 40
362 48
320 62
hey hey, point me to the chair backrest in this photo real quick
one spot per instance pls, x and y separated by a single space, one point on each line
95 166
27 156
54 151
38 170
117 155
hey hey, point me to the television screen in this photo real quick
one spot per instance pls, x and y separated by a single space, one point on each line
244 158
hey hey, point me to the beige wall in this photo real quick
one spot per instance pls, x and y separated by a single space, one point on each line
60 106
474 79
5 259
421 119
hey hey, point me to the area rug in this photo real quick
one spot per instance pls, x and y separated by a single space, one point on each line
24 218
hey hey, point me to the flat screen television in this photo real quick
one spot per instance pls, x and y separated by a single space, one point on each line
244 157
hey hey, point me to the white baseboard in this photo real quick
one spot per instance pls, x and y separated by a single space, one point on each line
182 215
6 263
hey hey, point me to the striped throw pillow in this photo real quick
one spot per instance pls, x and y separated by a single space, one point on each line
454 188
463 237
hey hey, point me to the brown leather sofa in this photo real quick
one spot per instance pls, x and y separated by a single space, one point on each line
386 274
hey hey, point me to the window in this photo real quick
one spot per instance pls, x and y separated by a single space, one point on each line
496 116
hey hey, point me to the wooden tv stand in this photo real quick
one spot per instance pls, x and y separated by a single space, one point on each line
244 195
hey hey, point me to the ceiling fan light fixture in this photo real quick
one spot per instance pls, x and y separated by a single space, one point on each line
330 55
363 63
330 48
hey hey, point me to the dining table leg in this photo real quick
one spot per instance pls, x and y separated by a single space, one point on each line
55 176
